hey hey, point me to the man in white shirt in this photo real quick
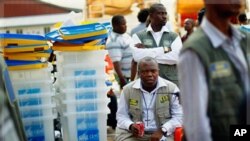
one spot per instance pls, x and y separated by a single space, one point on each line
214 75
158 42
118 46
151 100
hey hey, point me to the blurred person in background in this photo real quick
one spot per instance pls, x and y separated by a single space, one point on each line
118 46
214 74
142 17
189 27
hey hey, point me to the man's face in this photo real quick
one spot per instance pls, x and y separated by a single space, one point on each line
122 27
188 25
148 73
227 8
159 17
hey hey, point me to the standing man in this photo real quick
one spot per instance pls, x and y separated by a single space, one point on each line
118 46
214 74
189 27
151 100
142 17
158 42
120 52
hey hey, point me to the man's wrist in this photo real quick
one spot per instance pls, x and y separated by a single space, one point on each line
164 131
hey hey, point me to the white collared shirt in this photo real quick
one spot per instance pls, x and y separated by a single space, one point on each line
169 58
124 121
194 90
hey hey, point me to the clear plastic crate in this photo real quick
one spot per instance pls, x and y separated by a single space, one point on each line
86 126
36 111
30 75
80 57
39 129
32 87
85 93
32 100
82 82
86 105
75 70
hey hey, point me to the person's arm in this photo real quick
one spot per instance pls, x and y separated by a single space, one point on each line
194 97
115 52
123 119
139 53
171 57
122 80
176 113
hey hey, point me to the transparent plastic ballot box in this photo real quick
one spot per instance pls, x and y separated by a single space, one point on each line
92 93
85 126
39 129
79 57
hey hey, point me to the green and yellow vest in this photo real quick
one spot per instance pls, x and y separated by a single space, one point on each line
168 72
226 102
133 97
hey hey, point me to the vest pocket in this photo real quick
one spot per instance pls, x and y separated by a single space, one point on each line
224 107
135 114
163 114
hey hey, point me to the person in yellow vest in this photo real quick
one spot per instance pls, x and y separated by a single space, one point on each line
214 72
152 101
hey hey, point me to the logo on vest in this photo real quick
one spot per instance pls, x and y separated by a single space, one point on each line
148 42
166 43
220 69
133 102
163 99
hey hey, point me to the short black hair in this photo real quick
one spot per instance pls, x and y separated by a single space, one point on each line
142 15
155 7
242 17
116 20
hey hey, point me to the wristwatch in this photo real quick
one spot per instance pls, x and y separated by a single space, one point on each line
167 49
164 131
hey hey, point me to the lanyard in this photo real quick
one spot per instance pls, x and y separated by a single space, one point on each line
147 106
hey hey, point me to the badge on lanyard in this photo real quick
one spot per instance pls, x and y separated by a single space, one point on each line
220 69
133 102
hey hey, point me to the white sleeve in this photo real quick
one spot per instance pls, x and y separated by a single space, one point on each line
171 57
114 50
123 119
177 115
139 53
194 97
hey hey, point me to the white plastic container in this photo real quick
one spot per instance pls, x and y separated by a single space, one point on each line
30 75
82 82
86 93
86 106
39 129
75 70
87 126
32 87
35 99
36 111
80 57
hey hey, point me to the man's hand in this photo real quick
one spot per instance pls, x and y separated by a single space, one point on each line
139 45
157 135
134 129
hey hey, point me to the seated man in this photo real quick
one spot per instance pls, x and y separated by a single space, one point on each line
151 100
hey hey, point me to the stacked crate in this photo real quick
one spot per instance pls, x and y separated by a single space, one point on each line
30 78
81 80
